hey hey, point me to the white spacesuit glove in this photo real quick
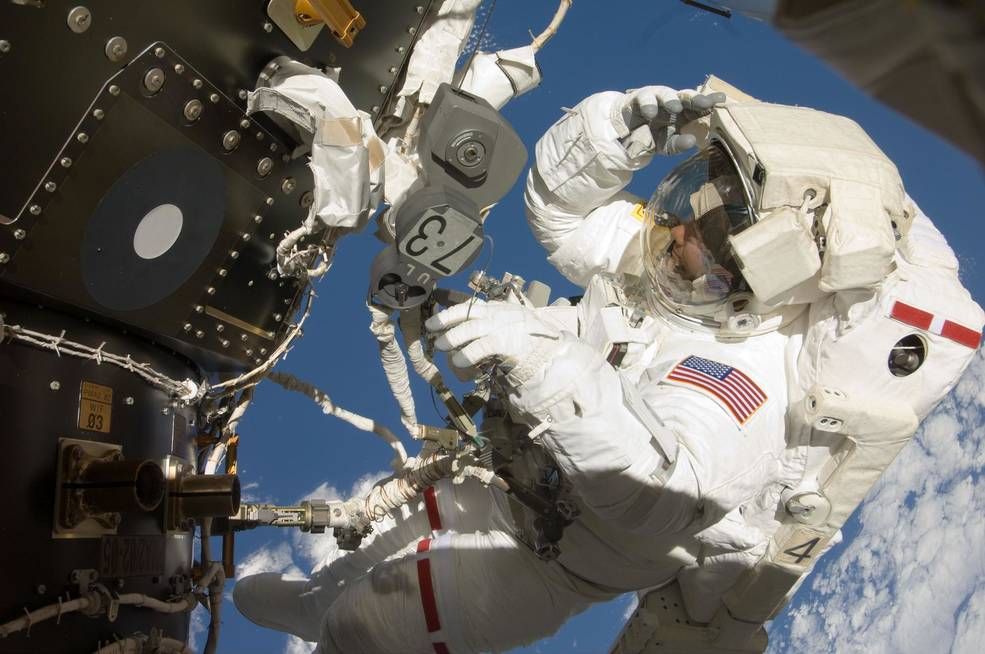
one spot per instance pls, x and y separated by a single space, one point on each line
510 335
650 119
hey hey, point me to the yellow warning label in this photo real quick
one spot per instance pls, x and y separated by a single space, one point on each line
639 212
95 407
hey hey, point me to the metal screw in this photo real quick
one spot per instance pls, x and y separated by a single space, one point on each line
269 201
273 147
116 48
19 234
199 333
272 275
4 257
392 69
82 137
263 350
249 352
187 327
268 27
114 89
50 186
223 272
4 45
199 308
230 140
419 9
307 199
197 83
245 123
219 327
400 48
213 97
234 255
210 290
376 108
264 166
259 136
278 317
164 411
257 218
246 237
179 68
55 385
242 94
193 110
98 114
154 80
288 185
128 400
243 337
159 52
79 19
383 88
35 209
66 162
412 30
42 589
224 342
471 153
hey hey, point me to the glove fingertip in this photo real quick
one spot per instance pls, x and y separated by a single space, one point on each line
674 106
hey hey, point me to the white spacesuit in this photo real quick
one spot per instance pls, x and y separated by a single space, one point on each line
754 346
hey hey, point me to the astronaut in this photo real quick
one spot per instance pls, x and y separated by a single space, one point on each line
778 304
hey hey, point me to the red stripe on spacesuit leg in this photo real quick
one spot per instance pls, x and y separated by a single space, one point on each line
961 334
428 601
431 504
911 315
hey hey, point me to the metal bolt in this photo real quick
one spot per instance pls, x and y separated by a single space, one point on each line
257 218
210 290
246 237
230 140
250 283
223 272
384 88
234 255
55 385
128 400
271 236
471 153
268 27
193 110
199 333
213 97
199 308
400 48
159 52
179 68
242 94
98 114
154 80
273 147
224 342
263 350
243 337
42 589
249 352
259 136
164 411
272 275
278 317
412 30
245 123
35 209
19 234
187 327
66 162
82 137
116 48
269 201
197 83
4 45
219 327
114 89
264 166
79 19
419 9
50 186
288 185
4 257
392 69
307 199
376 108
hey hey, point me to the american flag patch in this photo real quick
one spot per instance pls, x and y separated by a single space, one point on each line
729 386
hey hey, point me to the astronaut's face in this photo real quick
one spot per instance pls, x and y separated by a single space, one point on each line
688 253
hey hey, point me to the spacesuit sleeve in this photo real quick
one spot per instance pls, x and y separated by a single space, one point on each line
576 205
615 466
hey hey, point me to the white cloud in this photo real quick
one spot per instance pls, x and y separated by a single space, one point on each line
270 558
295 645
913 579
196 629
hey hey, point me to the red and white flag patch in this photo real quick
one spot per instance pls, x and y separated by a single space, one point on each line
928 322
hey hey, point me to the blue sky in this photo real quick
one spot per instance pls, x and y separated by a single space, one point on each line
289 449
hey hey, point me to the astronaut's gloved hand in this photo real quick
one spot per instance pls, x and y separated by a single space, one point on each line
650 119
510 335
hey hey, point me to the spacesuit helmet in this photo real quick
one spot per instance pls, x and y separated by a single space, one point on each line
687 256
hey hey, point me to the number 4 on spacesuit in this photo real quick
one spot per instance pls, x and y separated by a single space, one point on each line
803 551
801 547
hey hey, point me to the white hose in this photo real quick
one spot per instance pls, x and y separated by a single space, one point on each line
292 383
411 327
394 366
552 28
